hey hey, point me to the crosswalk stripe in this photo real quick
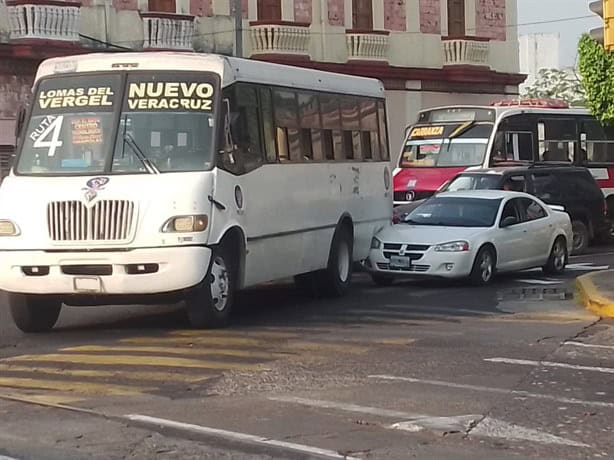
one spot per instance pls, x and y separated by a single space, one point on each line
326 347
213 341
47 398
265 335
135 360
177 351
119 375
68 386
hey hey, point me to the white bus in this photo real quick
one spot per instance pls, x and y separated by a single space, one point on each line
157 177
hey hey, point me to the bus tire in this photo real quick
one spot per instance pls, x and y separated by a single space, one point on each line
337 276
34 313
209 306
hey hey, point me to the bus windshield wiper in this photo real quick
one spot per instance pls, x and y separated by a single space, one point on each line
149 166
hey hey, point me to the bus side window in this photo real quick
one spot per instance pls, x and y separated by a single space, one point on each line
268 126
383 134
245 132
287 126
557 138
519 146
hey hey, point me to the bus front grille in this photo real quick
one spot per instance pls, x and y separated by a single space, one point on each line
106 220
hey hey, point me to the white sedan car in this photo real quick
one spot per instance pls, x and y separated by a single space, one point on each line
472 234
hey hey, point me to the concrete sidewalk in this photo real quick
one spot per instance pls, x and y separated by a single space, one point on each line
597 292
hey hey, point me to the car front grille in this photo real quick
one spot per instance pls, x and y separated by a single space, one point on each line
413 268
106 220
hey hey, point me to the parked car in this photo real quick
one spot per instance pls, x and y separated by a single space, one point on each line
472 234
572 187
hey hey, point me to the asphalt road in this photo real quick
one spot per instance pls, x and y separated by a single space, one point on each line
425 369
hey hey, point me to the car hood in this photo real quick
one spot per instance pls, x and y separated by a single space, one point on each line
426 234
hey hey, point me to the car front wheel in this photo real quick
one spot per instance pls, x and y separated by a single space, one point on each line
581 237
484 267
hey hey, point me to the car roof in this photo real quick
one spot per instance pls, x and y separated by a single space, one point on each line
483 194
501 170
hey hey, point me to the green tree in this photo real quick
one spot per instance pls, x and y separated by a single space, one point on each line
556 84
597 70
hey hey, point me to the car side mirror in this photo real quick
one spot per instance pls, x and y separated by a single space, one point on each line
509 221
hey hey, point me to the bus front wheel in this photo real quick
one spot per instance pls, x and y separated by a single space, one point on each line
210 304
337 277
34 313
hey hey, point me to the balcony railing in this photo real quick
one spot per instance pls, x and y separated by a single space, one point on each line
168 31
466 51
368 45
279 37
44 20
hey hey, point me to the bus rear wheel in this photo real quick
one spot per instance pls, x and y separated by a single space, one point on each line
34 313
337 277
210 305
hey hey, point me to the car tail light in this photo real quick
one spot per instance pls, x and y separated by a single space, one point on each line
396 219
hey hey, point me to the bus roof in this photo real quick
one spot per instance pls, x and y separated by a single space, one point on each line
512 109
230 68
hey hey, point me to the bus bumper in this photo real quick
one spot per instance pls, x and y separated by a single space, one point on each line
133 272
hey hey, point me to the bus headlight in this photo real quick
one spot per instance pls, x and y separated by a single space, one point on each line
8 228
186 224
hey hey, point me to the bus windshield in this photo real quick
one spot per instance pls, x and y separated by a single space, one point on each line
446 146
106 123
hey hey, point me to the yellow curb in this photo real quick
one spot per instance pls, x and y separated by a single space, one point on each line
592 299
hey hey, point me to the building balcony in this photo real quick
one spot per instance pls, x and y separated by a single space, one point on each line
466 51
369 45
44 20
279 37
168 31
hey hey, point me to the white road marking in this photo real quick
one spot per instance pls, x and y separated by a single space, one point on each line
236 436
589 345
460 423
526 362
347 407
543 282
519 393
4 457
586 266
493 428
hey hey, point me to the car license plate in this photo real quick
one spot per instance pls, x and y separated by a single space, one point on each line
400 262
87 284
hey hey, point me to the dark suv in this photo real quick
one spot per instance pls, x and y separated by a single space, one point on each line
572 187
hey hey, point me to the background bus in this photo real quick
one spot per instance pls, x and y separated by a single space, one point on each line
447 140
151 177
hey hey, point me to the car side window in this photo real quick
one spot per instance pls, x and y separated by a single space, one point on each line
531 210
546 187
515 183
511 210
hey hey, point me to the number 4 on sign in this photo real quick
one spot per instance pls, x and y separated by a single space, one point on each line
54 130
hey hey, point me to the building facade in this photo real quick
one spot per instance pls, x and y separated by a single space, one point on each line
537 52
427 52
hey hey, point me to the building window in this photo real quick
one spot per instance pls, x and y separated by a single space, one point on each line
162 6
456 18
362 14
269 10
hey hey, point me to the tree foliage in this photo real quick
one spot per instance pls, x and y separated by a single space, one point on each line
556 84
597 70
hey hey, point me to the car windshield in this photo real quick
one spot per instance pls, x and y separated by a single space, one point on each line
83 125
455 212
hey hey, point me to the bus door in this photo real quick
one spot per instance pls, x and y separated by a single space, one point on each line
515 140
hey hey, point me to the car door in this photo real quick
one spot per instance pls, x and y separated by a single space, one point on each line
539 228
511 242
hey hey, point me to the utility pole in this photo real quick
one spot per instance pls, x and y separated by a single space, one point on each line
238 5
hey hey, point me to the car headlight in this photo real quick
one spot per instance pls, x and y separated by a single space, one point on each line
453 246
375 243
186 224
8 228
